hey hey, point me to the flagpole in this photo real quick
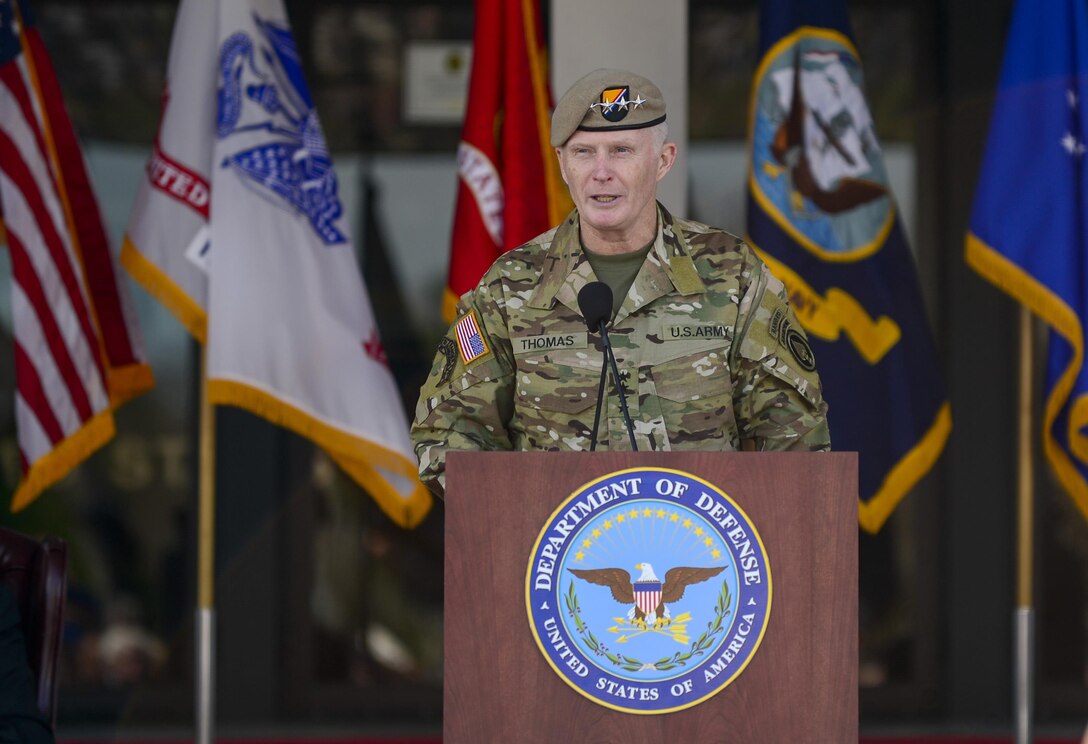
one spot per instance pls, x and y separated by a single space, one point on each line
205 612
1025 613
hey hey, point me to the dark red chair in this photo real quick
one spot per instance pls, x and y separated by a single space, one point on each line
37 572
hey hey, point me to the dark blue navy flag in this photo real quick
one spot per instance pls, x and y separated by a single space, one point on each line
821 213
1028 233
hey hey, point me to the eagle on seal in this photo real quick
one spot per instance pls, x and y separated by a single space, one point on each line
647 595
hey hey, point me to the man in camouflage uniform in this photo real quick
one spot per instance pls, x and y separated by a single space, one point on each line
709 352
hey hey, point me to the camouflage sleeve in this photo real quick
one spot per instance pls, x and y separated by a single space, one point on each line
777 401
467 399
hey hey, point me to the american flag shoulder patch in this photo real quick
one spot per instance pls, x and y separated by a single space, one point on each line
469 339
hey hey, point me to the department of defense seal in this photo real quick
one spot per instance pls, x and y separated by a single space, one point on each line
648 590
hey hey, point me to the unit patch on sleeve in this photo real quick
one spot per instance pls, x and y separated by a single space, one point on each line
798 345
796 342
448 349
469 339
776 326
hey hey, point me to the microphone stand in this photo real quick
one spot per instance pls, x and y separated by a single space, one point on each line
618 384
597 411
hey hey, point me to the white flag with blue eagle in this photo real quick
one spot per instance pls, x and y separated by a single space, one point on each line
239 229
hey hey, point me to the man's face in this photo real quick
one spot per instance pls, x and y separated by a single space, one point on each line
612 177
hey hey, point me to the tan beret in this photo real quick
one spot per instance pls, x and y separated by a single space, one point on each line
607 100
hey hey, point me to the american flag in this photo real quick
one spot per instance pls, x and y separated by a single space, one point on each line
469 340
78 353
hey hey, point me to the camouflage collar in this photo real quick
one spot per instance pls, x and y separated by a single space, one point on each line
566 269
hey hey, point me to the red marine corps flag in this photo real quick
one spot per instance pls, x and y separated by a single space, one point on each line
510 189
240 230
78 353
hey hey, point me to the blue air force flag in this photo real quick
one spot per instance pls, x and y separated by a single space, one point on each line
821 214
1027 233
239 228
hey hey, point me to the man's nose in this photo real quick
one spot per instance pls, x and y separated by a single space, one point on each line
602 170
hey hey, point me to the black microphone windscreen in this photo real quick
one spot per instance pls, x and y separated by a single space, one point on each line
595 302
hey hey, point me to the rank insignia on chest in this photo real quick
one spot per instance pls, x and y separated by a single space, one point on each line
469 339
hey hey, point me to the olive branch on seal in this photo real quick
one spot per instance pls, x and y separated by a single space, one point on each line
619 660
630 664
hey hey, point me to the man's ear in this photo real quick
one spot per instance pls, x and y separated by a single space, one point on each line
562 170
668 157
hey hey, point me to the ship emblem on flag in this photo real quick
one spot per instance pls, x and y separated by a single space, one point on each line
469 340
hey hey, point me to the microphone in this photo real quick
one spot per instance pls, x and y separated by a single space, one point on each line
595 302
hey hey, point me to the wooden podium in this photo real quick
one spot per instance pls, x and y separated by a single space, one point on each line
799 686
